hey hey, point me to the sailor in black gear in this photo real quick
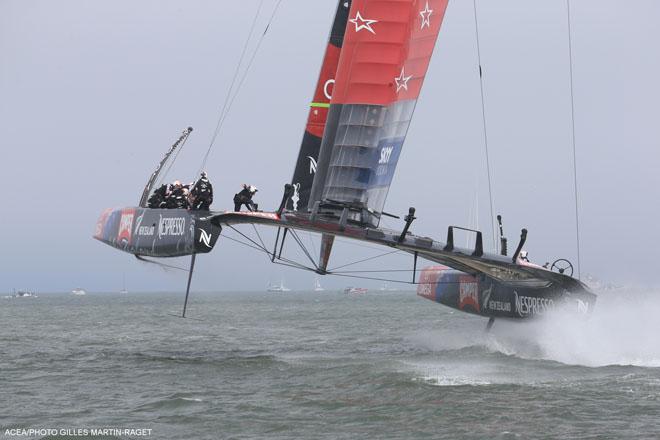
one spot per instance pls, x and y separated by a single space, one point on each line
245 198
201 194
177 197
157 199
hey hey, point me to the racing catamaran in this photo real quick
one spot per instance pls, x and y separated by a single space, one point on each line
372 74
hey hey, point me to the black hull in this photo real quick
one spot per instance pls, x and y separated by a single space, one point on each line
157 232
485 296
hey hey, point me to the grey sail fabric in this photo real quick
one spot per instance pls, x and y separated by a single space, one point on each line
365 153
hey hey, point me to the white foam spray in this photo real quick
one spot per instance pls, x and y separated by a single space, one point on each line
623 329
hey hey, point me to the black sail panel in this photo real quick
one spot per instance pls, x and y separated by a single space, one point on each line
303 175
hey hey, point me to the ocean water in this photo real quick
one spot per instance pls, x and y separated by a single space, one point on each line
385 365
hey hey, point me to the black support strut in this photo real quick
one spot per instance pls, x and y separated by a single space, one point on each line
408 219
190 274
523 238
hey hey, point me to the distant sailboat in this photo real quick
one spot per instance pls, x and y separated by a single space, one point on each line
385 287
78 291
277 288
317 286
123 290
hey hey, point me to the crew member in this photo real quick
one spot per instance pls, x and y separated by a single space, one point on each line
245 198
523 256
157 199
201 193
177 197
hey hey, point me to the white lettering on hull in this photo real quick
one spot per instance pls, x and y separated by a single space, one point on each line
171 226
529 305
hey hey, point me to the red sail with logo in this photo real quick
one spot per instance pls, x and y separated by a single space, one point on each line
387 49
303 175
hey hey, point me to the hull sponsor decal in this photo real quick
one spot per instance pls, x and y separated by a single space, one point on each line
468 293
530 305
205 237
171 226
125 226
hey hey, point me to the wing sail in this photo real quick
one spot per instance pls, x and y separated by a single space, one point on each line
387 49
303 175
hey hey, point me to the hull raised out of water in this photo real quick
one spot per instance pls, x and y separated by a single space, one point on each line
485 296
157 232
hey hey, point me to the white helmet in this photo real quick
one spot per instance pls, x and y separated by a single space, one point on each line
253 189
523 255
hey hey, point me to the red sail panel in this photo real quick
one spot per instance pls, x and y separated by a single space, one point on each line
387 49
318 111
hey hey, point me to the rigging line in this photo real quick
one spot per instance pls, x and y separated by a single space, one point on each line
311 240
242 242
256 246
287 262
262 248
340 274
157 263
362 261
259 236
575 179
378 271
240 84
358 244
302 246
483 117
372 278
301 267
233 82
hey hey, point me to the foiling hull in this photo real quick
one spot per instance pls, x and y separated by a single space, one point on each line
157 232
485 296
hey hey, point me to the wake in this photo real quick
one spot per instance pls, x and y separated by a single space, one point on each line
623 330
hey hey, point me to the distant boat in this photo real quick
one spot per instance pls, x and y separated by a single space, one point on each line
78 291
277 288
355 290
24 294
317 286
123 290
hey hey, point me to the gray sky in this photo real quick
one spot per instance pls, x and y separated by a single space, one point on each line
93 93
